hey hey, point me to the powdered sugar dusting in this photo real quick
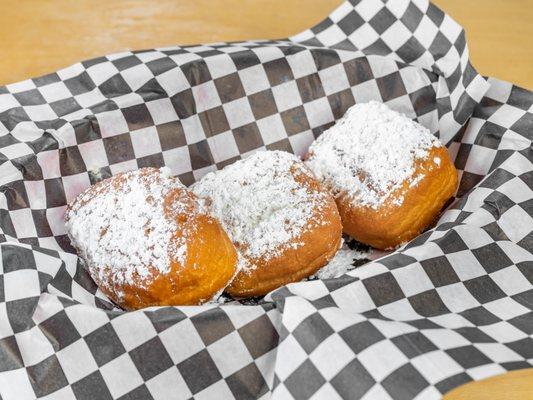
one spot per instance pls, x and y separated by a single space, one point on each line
343 262
369 153
119 225
261 205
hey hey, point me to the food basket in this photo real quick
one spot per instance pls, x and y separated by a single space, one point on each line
453 305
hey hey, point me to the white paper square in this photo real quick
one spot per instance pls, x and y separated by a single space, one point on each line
400 310
23 223
290 356
238 112
162 111
112 123
302 64
436 366
511 280
22 86
363 36
381 359
132 338
74 185
206 96
36 194
223 146
466 265
368 8
17 150
286 96
178 160
173 81
457 297
220 65
353 299
506 115
484 371
8 101
398 7
77 361
55 91
333 34
101 72
145 141
5 329
218 390
168 385
42 112
396 35
298 309
272 129
254 79
88 99
86 318
300 142
318 112
377 392
21 283
193 130
268 53
413 279
445 339
334 79
93 154
229 354
480 160
121 375
451 321
426 32
516 223
503 332
366 91
391 329
56 220
326 391
506 308
498 352
331 356
137 76
180 349
16 385
34 346
71 71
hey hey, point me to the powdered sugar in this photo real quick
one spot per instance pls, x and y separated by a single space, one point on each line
119 225
342 262
261 205
369 153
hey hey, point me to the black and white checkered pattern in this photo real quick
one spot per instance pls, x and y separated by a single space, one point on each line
453 305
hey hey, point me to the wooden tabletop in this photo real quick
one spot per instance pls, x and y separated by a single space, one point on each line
37 37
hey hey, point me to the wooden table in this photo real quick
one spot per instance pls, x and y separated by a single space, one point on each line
38 36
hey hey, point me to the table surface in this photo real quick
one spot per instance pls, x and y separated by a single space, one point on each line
38 37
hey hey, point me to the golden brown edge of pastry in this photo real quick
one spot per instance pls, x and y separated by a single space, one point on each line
182 284
391 225
294 264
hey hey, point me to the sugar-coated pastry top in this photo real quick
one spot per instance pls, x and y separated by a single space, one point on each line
262 203
369 153
123 225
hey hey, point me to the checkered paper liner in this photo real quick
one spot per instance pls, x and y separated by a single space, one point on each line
453 305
